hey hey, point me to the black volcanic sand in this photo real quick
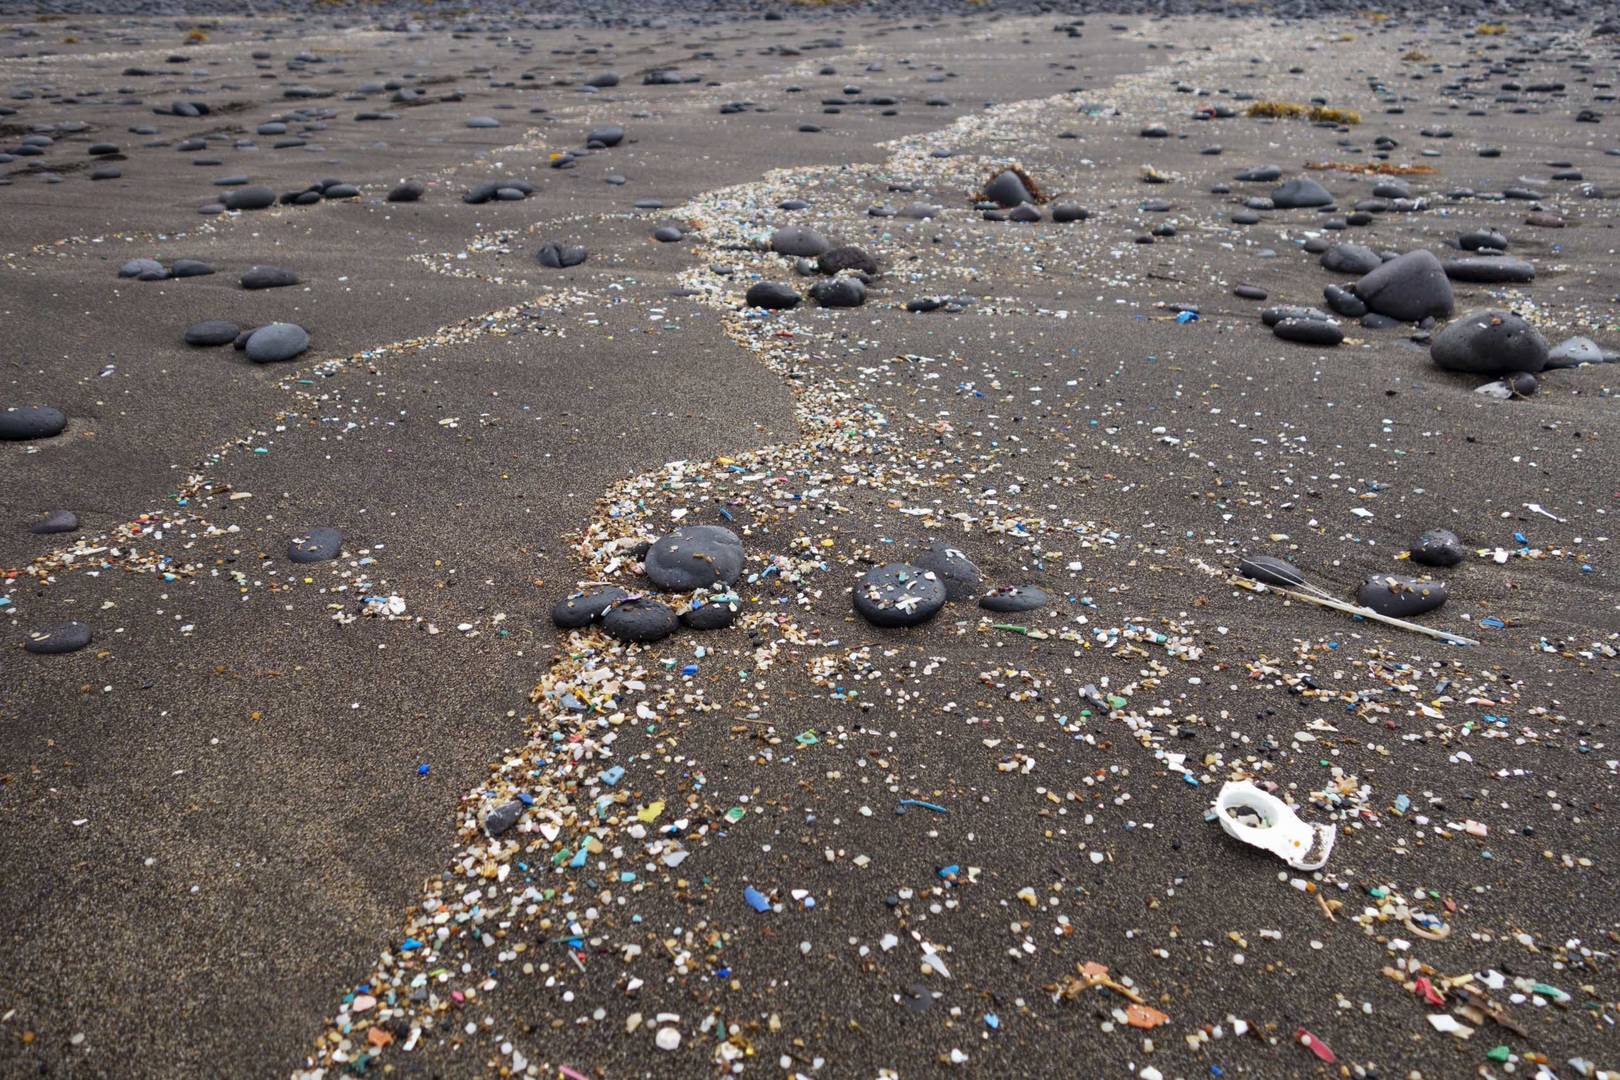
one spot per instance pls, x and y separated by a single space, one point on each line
243 832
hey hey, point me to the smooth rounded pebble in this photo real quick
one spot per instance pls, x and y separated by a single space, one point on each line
212 332
250 198
840 292
277 341
1007 189
1400 597
711 613
1439 547
1410 288
953 568
1309 331
69 637
1490 270
773 295
694 557
842 259
57 521
585 607
318 545
1009 599
31 422
1490 343
560 256
1301 193
898 594
268 277
408 191
639 620
797 240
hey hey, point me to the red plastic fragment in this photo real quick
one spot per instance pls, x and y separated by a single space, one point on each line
1315 1045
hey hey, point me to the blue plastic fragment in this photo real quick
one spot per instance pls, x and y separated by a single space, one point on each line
756 899
611 777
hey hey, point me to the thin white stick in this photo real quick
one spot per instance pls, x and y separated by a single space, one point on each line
1367 613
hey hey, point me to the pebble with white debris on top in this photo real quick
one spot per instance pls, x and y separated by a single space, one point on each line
69 637
317 545
898 595
694 557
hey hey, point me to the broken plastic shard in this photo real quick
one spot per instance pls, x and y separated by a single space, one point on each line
1262 820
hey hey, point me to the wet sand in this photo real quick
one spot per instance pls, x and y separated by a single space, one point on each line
242 831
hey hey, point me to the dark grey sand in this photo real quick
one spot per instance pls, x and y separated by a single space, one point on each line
241 832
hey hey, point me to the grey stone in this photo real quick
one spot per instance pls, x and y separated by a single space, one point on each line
1351 259
318 545
276 342
31 422
798 240
1490 343
503 817
1008 189
212 332
268 277
57 521
1309 331
953 568
1439 547
694 557
1302 192
639 620
250 198
772 294
69 637
1009 599
1490 270
1400 597
898 594
585 607
1410 288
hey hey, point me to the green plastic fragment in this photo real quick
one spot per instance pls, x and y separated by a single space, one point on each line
1498 1053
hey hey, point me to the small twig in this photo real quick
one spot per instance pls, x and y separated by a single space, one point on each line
1367 613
